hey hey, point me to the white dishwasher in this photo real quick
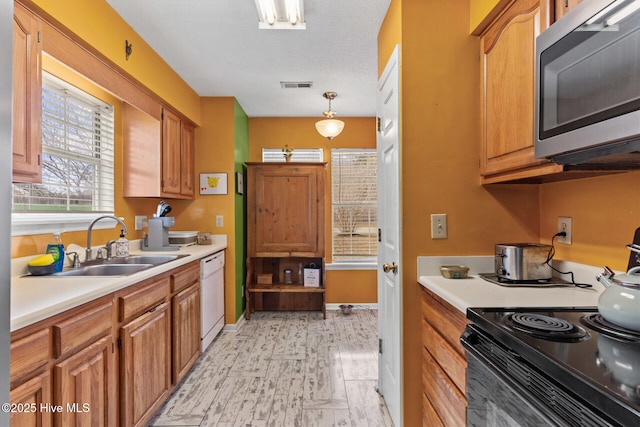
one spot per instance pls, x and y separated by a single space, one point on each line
211 298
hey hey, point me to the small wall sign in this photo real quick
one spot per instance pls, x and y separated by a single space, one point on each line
213 183
240 182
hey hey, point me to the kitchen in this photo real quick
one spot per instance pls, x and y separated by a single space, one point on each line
441 90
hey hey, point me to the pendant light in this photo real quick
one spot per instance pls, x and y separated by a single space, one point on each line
330 127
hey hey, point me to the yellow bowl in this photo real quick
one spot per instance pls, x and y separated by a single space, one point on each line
454 271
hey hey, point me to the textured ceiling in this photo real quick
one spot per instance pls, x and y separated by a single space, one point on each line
217 48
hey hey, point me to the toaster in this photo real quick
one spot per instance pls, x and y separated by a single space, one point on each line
522 261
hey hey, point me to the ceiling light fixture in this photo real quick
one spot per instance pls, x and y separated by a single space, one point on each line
330 127
281 14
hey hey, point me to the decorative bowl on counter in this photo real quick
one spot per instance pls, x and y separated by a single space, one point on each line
454 271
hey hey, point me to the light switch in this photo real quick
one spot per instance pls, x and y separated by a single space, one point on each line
438 226
219 220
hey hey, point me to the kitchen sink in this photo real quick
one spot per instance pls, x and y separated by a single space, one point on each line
145 259
124 266
105 270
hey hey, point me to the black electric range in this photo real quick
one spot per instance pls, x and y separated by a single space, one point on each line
576 353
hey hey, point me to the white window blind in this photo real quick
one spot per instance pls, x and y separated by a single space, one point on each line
299 155
77 154
354 205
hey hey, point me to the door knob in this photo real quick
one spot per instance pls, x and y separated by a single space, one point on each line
387 268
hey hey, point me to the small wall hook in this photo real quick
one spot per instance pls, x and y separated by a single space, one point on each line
128 49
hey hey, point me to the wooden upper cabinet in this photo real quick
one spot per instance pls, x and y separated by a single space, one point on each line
158 155
285 209
27 97
562 7
508 76
171 157
187 150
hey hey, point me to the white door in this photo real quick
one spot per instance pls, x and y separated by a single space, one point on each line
389 251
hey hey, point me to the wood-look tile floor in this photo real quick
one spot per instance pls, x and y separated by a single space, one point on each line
285 369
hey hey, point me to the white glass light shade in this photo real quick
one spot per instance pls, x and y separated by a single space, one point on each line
330 128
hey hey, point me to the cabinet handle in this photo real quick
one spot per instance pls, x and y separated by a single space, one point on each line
566 3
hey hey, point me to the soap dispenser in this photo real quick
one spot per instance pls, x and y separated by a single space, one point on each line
122 246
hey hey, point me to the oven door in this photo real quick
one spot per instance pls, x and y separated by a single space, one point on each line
503 389
493 399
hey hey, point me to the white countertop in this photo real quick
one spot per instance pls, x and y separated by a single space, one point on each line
37 298
477 292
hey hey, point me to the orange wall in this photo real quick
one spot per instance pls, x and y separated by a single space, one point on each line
605 213
440 151
97 24
359 132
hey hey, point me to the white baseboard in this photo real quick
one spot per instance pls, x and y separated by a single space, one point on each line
236 326
356 306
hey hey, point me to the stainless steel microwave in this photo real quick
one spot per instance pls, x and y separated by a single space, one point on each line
588 86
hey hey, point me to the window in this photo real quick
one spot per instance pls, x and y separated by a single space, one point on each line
354 205
299 155
77 156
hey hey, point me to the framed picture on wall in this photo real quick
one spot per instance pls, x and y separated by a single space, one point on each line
213 183
239 183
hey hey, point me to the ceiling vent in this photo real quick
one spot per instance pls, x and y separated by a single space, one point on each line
296 85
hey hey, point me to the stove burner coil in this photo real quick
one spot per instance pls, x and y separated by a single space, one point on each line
598 323
546 327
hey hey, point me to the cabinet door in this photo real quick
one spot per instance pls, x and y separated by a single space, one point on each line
145 366
187 181
508 75
170 153
84 384
286 210
34 395
27 97
186 330
142 153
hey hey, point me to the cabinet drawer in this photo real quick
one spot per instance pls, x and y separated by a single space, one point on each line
454 365
143 299
72 334
185 277
449 322
446 399
29 354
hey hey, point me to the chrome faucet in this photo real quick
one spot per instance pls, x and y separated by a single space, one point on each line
88 254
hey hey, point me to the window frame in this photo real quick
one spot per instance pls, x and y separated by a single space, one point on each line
27 223
350 264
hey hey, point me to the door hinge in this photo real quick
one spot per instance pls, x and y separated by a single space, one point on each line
162 115
113 347
379 235
380 345
378 123
119 342
39 37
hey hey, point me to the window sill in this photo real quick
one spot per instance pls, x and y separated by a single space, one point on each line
26 224
352 266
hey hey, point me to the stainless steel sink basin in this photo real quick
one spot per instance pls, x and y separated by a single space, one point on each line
146 259
105 270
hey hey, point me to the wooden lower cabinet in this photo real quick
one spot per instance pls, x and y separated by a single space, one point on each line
28 398
145 365
84 385
70 370
186 331
444 364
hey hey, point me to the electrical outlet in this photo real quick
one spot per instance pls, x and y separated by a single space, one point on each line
438 226
219 220
564 224
140 221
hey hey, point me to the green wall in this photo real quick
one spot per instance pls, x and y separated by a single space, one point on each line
241 155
